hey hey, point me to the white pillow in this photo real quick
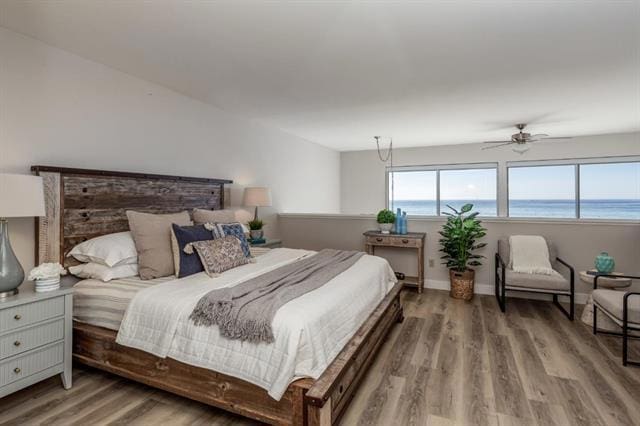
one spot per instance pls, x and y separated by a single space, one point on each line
110 250
97 271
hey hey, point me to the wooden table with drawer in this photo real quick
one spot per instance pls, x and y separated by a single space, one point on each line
35 337
411 240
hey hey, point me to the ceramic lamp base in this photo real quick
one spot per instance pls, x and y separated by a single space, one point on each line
11 272
5 294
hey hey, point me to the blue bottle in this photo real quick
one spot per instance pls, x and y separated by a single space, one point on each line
398 229
404 223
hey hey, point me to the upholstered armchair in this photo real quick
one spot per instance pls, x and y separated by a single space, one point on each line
556 284
623 308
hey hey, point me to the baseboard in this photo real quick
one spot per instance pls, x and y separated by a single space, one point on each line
581 298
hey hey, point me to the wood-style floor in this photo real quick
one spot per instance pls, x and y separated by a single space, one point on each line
449 362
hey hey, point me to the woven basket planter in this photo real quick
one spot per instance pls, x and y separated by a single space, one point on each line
462 284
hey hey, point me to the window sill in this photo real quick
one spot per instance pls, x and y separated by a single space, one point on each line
557 221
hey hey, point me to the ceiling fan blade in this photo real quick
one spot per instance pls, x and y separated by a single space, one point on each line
539 136
558 137
497 141
498 146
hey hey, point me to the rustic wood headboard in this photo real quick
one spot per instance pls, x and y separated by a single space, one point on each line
83 204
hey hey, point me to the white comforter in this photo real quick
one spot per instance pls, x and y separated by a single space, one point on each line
309 331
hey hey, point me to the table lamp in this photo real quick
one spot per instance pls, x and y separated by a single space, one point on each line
20 196
257 196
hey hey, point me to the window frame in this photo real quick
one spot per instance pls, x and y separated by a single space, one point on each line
437 168
576 163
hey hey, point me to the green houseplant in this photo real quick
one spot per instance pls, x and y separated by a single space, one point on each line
385 220
255 229
460 235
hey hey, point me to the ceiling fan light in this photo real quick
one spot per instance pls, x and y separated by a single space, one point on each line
521 149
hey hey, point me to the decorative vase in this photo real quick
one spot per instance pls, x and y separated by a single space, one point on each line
385 228
604 263
256 234
47 284
462 284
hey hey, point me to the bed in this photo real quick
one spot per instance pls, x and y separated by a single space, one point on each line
82 204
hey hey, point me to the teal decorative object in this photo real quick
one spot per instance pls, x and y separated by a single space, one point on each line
604 263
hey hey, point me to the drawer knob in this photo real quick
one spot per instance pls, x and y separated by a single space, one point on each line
17 343
17 317
17 370
405 241
379 239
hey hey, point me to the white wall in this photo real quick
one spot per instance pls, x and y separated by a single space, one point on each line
363 174
59 109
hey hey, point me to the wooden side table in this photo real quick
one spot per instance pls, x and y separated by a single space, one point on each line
411 240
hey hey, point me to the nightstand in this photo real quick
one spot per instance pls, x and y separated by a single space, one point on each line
35 337
268 244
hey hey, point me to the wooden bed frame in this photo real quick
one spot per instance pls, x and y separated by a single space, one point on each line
82 204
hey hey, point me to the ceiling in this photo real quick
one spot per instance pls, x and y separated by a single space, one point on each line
338 73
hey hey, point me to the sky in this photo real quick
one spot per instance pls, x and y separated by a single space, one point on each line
597 181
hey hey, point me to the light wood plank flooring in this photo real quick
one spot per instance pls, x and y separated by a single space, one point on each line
449 362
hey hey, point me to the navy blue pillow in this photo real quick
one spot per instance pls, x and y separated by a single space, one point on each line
188 264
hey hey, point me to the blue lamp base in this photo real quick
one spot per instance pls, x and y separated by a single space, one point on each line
11 272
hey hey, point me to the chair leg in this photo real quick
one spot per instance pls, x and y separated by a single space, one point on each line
572 306
569 315
625 344
595 318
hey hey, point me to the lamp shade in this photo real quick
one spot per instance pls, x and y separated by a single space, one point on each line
257 196
21 195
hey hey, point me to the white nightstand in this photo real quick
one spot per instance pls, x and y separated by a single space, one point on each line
35 337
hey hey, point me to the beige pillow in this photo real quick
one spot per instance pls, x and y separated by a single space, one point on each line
152 236
200 216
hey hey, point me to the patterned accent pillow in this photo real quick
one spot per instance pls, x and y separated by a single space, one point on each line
219 255
220 230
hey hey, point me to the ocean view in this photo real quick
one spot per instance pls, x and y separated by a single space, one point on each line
589 209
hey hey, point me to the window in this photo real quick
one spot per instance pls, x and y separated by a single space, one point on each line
427 191
414 192
610 191
542 191
476 186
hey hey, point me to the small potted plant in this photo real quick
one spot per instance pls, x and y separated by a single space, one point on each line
385 220
459 240
255 229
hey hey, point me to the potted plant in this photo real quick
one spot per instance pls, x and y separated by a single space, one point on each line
459 241
385 220
255 229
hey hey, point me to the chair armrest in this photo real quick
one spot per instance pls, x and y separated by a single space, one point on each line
572 272
625 305
596 277
499 261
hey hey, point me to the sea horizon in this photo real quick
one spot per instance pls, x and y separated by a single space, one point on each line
600 208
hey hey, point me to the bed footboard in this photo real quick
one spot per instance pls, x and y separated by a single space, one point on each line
330 395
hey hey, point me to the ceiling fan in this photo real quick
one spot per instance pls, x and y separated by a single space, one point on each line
522 140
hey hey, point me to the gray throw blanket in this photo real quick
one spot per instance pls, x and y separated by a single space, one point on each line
246 310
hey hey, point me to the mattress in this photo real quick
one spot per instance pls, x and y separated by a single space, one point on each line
104 304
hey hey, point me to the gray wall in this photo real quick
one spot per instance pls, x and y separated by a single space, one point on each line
578 243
